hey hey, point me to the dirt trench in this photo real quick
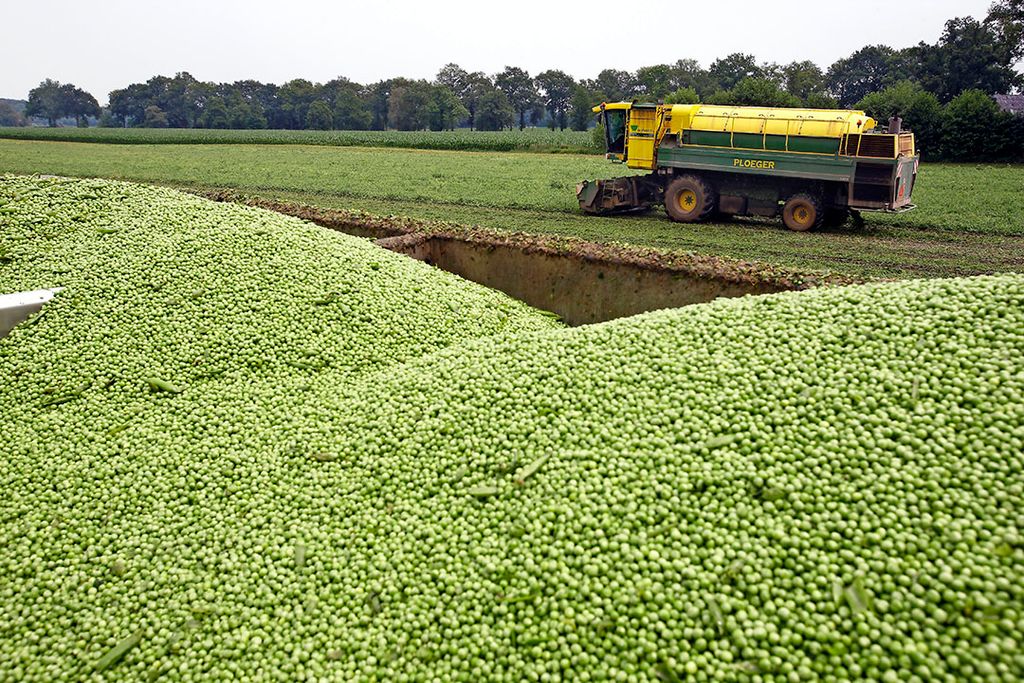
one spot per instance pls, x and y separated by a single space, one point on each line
582 282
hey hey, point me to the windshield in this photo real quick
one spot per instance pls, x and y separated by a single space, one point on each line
615 130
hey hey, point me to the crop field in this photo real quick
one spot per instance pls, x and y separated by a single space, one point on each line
970 218
528 140
238 446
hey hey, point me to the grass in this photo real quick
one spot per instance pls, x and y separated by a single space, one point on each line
970 218
531 139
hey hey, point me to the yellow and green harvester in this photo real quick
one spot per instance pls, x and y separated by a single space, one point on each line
812 166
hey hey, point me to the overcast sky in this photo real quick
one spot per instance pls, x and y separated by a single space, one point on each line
108 44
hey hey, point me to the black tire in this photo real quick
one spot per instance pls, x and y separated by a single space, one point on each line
835 218
690 199
803 212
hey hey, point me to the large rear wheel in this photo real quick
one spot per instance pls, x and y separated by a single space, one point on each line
690 199
835 218
803 212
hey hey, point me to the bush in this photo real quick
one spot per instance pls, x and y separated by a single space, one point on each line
683 96
919 109
755 92
975 129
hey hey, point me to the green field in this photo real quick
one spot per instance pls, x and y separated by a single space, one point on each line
530 139
970 218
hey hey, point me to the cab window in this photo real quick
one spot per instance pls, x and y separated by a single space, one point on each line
615 130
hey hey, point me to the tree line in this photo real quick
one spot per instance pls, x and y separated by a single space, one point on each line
931 85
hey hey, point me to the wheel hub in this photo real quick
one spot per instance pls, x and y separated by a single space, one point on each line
687 200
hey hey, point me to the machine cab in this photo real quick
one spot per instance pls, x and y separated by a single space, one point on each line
614 121
631 131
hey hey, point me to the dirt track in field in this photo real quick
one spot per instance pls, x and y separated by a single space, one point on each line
699 266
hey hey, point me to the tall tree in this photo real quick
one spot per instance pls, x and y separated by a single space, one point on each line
409 104
454 77
295 98
803 78
727 72
345 99
181 98
614 85
378 95
128 105
318 116
253 102
79 104
654 82
215 114
520 90
351 111
52 101
972 55
557 88
581 114
445 110
154 117
688 74
1006 17
865 71
477 84
46 101
9 116
468 87
494 111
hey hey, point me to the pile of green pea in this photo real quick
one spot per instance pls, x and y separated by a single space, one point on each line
239 446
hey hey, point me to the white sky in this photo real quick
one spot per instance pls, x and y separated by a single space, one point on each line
108 44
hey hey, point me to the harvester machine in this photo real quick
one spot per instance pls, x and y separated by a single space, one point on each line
811 166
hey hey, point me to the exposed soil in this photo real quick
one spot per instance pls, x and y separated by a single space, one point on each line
582 282
362 224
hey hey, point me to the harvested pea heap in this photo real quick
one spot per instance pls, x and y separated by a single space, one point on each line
241 447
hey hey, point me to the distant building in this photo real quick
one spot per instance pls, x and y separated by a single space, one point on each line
1011 103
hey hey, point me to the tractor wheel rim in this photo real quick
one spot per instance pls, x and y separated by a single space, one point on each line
687 200
802 215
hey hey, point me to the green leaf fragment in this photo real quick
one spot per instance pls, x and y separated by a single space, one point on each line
665 673
300 555
58 400
328 298
522 597
720 440
525 472
857 596
373 602
483 491
837 592
114 431
117 652
717 618
161 385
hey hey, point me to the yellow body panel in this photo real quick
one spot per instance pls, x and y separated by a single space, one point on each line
643 136
647 125
822 123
